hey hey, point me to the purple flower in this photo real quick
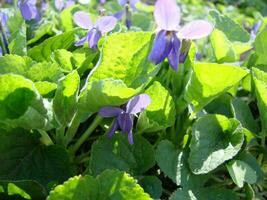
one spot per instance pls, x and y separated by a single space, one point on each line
62 4
255 29
132 3
4 33
124 117
103 25
102 1
168 39
28 9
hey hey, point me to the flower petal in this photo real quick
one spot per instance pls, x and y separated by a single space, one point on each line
138 104
81 41
59 4
133 3
28 9
119 15
106 23
195 30
82 19
122 2
174 55
161 48
110 111
113 128
167 15
126 122
93 38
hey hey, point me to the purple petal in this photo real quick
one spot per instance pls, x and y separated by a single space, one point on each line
161 48
119 15
174 55
102 1
138 104
133 3
1 52
167 15
126 122
106 23
81 41
93 38
59 4
110 111
130 138
122 2
195 30
28 9
70 3
113 128
82 19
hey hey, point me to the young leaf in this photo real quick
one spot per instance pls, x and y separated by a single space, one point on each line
209 80
215 139
231 29
160 114
21 104
111 184
66 98
43 51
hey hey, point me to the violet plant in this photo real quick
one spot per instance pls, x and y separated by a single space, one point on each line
167 43
62 4
124 117
103 25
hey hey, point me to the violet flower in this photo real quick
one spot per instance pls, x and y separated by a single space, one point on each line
124 117
4 33
103 25
102 1
255 29
28 9
62 4
167 43
132 3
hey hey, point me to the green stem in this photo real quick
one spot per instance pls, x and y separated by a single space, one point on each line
60 133
45 139
85 135
72 129
263 138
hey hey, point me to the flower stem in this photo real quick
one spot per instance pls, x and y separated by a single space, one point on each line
85 135
72 129
45 139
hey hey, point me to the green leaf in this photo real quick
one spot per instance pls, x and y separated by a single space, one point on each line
45 28
17 38
260 84
242 113
34 161
175 166
21 104
222 47
43 51
125 59
231 29
110 184
66 17
107 92
25 66
260 42
65 102
204 194
152 185
117 153
215 139
63 58
160 114
245 169
46 89
32 188
209 80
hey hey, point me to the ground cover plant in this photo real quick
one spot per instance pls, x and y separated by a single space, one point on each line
133 100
